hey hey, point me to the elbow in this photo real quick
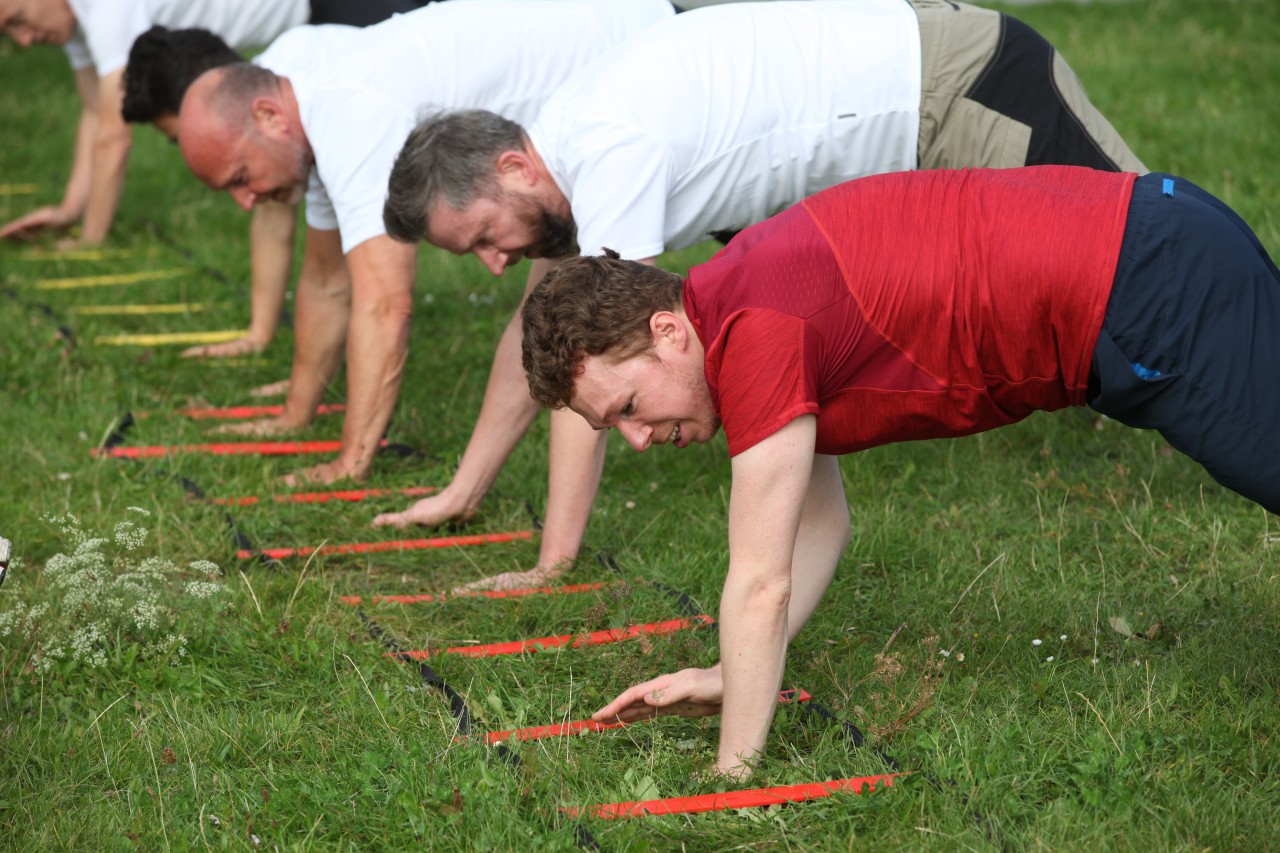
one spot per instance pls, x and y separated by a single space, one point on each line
394 312
114 143
769 594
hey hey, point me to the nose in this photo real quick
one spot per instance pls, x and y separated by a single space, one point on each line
639 436
244 197
496 261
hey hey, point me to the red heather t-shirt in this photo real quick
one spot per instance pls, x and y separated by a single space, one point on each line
911 305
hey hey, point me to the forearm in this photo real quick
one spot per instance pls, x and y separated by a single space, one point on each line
111 144
505 416
377 347
110 158
322 313
76 195
821 539
271 251
505 413
575 463
753 649
382 274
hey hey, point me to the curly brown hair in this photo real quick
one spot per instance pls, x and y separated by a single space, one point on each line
590 306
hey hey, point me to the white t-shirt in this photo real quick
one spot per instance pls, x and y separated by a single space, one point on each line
360 104
723 116
108 28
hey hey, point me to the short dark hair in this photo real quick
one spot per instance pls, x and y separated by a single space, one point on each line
449 156
593 306
162 64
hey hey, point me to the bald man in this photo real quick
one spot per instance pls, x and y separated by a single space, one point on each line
304 122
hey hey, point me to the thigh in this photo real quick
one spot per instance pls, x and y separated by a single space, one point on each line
995 93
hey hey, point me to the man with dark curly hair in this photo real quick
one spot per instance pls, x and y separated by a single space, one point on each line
900 307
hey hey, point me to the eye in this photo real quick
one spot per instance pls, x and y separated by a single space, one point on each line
629 408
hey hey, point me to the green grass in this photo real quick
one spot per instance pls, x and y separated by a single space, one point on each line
287 722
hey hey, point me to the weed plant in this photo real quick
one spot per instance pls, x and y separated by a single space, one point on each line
1067 632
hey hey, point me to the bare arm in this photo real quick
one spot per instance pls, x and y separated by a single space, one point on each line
819 539
504 418
111 146
323 310
76 194
271 250
382 277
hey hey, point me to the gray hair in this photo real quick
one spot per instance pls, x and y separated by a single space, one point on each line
449 156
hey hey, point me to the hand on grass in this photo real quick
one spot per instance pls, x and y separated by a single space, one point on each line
687 693
70 244
271 389
512 580
227 349
320 475
37 222
261 427
430 511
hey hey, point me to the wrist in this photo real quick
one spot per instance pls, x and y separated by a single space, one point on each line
257 338
462 498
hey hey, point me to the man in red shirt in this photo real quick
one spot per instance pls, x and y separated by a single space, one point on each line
907 306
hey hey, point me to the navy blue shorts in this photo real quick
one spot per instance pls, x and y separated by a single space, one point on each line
1190 343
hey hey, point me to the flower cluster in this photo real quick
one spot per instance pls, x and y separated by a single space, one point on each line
101 595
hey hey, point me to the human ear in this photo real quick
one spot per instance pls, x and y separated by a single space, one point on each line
516 165
267 115
667 328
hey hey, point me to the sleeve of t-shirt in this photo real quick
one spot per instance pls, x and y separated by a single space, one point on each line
767 375
355 136
109 31
619 195
77 50
320 215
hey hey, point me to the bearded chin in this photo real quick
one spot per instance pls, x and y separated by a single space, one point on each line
296 193
557 237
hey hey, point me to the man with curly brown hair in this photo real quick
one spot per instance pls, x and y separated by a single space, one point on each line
902 307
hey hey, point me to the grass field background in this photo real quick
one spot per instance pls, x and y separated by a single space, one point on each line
286 727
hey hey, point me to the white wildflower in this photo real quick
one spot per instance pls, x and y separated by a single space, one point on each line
130 536
86 645
960 657
1036 641
204 567
100 597
1062 637
146 615
1049 659
946 653
1094 661
202 589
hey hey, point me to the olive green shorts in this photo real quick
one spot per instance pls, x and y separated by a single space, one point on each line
995 93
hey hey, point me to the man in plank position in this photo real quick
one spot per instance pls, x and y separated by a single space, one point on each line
899 307
308 120
96 36
703 125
